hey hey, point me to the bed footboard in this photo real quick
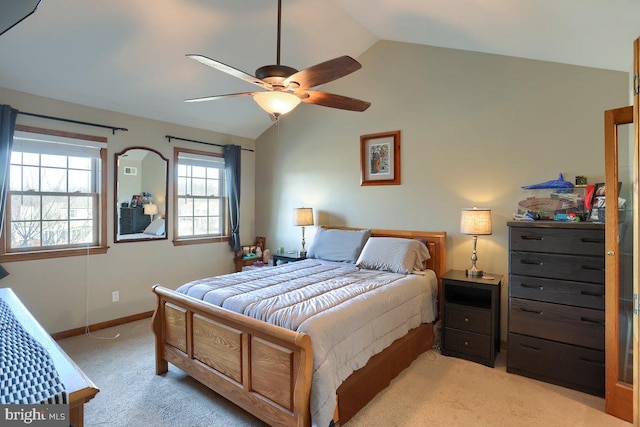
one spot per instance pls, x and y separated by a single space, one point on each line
263 368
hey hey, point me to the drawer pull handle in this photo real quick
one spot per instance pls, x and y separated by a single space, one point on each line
466 319
531 262
590 320
527 286
532 238
466 343
592 294
592 267
529 347
595 362
528 310
591 240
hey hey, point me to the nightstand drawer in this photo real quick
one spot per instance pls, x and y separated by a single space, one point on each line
573 325
468 318
467 342
579 294
578 242
552 266
563 364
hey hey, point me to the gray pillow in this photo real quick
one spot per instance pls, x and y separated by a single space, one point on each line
338 245
393 254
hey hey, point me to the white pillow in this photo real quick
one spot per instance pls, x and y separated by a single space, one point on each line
393 254
338 245
156 228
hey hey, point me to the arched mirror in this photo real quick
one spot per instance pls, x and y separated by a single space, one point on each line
140 195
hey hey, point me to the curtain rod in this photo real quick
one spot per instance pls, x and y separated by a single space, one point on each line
169 137
113 128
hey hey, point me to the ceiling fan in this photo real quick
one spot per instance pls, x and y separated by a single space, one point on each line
286 87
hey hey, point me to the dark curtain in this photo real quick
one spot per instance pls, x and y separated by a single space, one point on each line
7 126
232 174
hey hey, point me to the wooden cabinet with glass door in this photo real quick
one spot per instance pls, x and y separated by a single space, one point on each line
619 246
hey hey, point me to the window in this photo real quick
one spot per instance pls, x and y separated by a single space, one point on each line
56 195
200 201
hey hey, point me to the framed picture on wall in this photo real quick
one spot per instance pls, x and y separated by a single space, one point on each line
380 158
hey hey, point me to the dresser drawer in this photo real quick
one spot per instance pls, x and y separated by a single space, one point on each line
467 342
578 294
563 241
573 325
567 365
468 318
556 266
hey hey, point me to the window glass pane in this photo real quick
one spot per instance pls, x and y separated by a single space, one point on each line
213 173
200 226
183 186
79 181
31 159
81 231
24 208
54 233
214 225
53 160
30 178
213 187
185 227
198 172
16 157
185 206
15 178
182 169
214 206
81 207
199 187
55 207
200 207
25 234
80 163
54 180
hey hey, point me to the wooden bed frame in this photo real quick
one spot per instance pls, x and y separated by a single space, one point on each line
266 369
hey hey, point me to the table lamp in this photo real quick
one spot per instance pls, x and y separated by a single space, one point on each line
303 217
150 209
475 222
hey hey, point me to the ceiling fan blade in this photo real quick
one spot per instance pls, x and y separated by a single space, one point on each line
230 70
324 72
213 98
335 101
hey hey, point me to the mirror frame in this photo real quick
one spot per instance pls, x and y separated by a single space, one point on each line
116 190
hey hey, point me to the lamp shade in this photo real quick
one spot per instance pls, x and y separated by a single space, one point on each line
150 209
303 216
275 102
475 221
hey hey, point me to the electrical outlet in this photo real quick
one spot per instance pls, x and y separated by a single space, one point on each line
115 296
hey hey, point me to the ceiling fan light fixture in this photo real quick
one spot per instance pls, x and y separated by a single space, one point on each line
276 102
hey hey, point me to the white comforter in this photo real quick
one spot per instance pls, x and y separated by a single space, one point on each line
350 314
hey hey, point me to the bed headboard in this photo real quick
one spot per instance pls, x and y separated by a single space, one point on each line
435 241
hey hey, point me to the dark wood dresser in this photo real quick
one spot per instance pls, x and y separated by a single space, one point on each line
556 303
133 220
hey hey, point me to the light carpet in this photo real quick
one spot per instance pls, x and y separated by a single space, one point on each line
434 391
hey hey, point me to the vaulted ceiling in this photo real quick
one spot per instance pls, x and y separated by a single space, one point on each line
129 55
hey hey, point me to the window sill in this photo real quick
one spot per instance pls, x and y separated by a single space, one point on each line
201 240
56 253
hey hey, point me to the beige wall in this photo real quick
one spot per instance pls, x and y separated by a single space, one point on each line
66 293
475 127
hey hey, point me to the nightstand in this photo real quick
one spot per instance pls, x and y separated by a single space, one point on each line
471 318
285 258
